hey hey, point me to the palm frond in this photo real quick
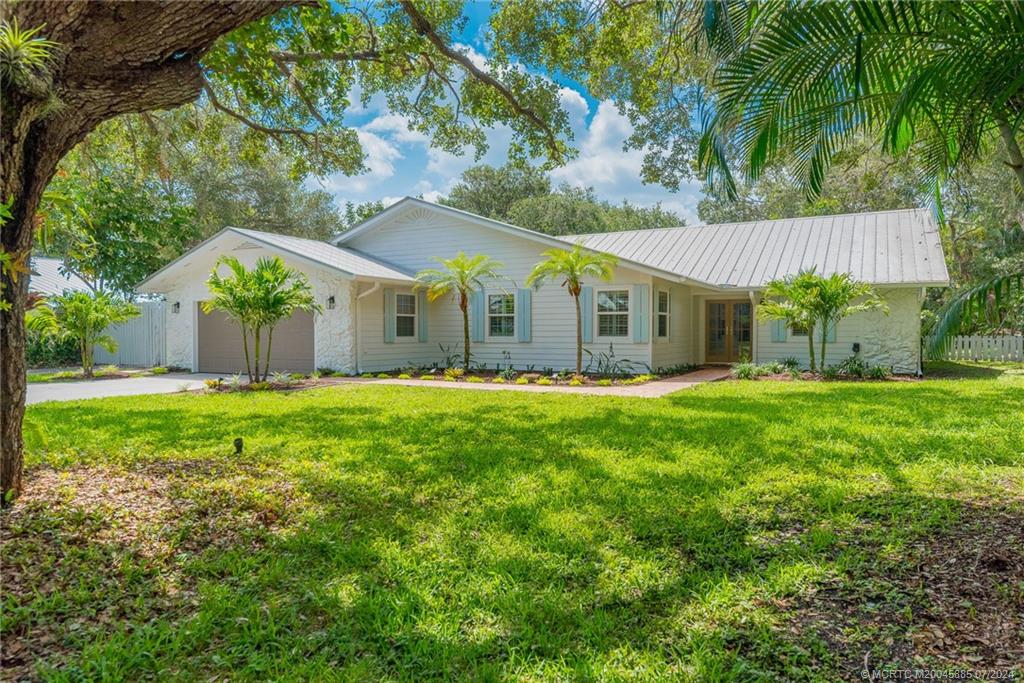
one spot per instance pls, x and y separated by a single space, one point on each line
968 305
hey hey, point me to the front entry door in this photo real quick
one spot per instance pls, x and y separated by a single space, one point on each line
728 331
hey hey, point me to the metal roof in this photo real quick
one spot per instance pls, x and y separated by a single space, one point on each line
48 280
883 247
344 259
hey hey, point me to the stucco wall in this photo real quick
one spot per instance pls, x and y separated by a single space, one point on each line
333 331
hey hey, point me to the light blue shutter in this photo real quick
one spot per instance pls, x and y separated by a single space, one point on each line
587 313
641 314
477 316
389 316
421 314
778 330
831 336
524 314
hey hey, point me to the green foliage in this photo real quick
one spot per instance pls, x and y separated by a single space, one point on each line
158 371
854 366
48 352
830 372
82 317
492 192
357 213
800 81
383 375
607 364
460 276
25 56
258 300
475 379
746 371
878 372
545 381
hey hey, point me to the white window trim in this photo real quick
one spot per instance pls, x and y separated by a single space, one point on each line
415 337
628 289
488 316
667 314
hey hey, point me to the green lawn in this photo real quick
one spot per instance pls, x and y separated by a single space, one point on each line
739 531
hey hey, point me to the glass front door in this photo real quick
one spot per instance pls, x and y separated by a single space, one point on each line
729 331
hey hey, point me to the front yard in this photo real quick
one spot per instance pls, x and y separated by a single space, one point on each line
740 530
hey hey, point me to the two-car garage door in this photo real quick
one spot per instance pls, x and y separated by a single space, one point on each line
220 344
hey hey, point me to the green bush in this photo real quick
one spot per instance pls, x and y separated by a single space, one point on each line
405 375
545 381
522 380
428 377
854 366
50 352
475 380
745 371
367 375
383 375
830 372
498 380
879 372
158 370
604 382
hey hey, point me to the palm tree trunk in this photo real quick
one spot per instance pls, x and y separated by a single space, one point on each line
464 305
824 335
86 364
1016 161
810 344
256 351
245 347
266 363
579 335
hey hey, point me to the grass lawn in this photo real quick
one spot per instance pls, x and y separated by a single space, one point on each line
738 531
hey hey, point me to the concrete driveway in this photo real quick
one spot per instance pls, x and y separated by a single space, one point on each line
99 388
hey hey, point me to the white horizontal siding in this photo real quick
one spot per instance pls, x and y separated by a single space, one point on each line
416 239
679 347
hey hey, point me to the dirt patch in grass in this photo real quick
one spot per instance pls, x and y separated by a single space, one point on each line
89 549
953 600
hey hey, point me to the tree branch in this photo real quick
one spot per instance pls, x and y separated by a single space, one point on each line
274 133
423 27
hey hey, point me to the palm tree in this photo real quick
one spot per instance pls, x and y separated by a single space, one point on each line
798 81
839 296
84 317
259 299
460 275
967 306
789 299
572 267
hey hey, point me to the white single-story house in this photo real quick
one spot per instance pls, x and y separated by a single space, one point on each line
679 295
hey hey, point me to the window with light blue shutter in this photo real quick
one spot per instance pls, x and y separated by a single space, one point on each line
778 330
641 314
587 313
524 314
389 316
421 311
477 316
831 337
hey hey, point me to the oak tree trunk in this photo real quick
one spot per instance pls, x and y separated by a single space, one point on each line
113 58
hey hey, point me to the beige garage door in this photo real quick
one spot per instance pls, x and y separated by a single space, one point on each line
220 344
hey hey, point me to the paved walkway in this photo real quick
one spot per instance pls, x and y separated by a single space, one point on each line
99 388
655 389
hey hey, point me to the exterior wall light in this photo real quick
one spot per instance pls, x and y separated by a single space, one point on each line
330 302
176 307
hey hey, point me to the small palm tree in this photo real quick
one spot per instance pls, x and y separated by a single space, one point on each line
789 299
839 296
84 317
459 275
259 299
571 267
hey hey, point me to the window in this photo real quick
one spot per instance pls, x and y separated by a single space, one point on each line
501 315
798 330
663 313
613 313
405 315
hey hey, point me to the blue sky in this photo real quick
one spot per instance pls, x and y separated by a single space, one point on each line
402 162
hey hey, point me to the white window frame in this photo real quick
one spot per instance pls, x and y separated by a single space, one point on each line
628 312
488 315
667 313
414 337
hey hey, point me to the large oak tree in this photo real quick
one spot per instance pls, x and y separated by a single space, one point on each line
288 71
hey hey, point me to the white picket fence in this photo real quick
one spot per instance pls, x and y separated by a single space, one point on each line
141 342
1000 347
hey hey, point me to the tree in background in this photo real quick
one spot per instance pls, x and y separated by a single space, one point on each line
357 213
459 276
83 317
524 197
572 266
258 300
122 230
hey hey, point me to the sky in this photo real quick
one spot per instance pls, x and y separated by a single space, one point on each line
402 163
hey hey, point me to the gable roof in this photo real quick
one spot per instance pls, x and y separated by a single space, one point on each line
542 238
883 247
348 262
47 279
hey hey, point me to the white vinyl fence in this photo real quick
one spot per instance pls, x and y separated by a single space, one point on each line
1000 347
141 342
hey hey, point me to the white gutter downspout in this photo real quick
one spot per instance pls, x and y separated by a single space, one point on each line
355 319
753 327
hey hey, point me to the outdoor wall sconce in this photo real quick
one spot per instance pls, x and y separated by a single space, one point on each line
856 347
176 307
330 303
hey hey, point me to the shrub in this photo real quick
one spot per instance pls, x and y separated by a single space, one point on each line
383 375
575 382
326 372
235 382
545 381
522 380
282 379
475 379
405 375
879 372
791 363
453 374
680 369
213 383
772 367
854 366
49 352
498 380
65 374
830 372
508 374
158 371
367 375
108 370
260 386
315 376
745 371
428 377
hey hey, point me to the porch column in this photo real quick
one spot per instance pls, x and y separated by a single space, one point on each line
753 327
